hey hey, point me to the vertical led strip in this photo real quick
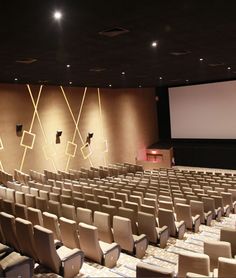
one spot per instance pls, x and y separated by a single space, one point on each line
75 122
101 122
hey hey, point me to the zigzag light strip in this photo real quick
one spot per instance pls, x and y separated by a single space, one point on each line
73 118
31 125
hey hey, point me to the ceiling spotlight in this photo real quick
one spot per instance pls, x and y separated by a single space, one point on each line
201 59
186 80
68 66
70 82
154 44
110 85
140 86
123 73
16 79
57 15
228 68
160 77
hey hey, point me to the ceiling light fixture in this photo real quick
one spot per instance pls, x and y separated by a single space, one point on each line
160 77
57 15
186 80
70 82
110 85
154 44
140 86
16 79
123 73
68 66
228 68
201 59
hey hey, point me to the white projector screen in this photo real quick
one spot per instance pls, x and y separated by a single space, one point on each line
206 111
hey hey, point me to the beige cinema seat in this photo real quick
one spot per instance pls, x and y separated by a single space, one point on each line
50 221
226 268
198 208
209 205
193 262
183 212
135 245
147 226
166 218
215 249
63 261
229 234
35 216
95 250
69 233
84 215
103 222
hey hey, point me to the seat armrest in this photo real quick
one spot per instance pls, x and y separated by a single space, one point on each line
234 207
163 235
218 213
66 253
215 272
112 246
139 238
180 229
162 229
196 222
208 216
227 210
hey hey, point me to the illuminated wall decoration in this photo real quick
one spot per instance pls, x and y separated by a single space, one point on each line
86 151
28 137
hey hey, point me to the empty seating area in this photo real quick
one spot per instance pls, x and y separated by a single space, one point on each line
120 221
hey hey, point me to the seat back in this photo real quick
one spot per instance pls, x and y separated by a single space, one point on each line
84 215
147 226
229 235
166 218
25 233
122 231
209 205
131 215
148 270
183 212
8 206
103 222
216 249
68 211
197 208
20 197
54 207
30 200
21 211
69 233
46 251
50 221
7 222
89 242
226 267
35 216
193 262
227 199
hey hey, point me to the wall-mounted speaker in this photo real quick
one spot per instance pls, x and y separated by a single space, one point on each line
58 135
19 130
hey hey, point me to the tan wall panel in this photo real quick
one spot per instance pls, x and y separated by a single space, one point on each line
128 124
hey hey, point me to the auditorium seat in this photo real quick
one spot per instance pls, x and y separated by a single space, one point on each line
198 208
183 212
103 223
147 225
84 215
226 268
128 242
209 205
50 221
193 262
131 215
229 234
21 211
69 234
54 207
216 249
35 216
166 218
63 261
68 211
95 250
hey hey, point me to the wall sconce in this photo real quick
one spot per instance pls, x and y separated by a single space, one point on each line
89 137
19 130
58 136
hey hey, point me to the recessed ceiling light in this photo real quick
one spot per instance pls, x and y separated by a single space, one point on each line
57 15
70 82
201 59
16 79
186 80
110 85
228 68
123 73
140 86
160 77
68 66
154 44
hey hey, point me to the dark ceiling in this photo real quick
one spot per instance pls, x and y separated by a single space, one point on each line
35 48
